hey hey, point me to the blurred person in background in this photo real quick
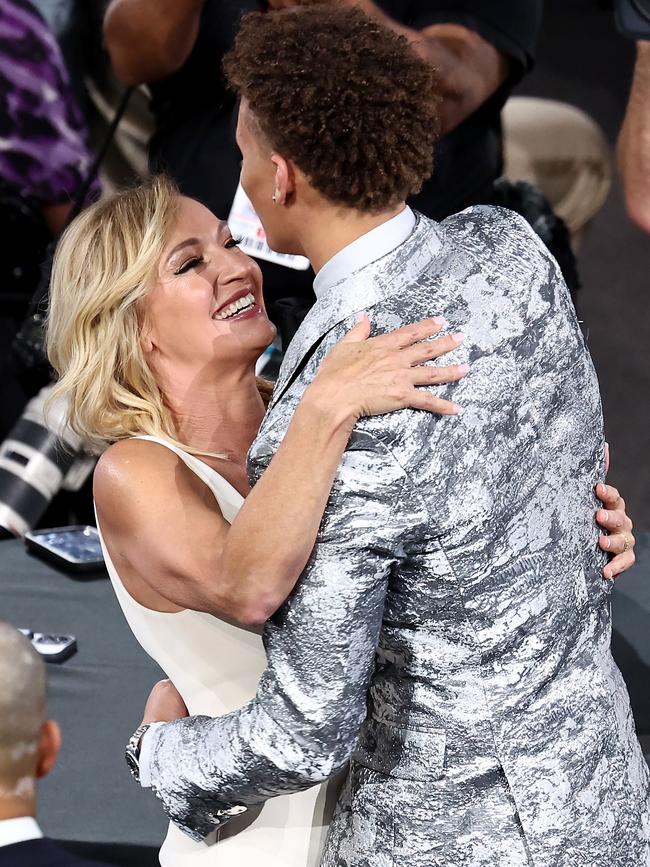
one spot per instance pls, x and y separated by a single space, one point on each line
44 158
480 51
634 141
65 19
29 746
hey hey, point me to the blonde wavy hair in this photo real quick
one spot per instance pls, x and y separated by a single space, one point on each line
105 263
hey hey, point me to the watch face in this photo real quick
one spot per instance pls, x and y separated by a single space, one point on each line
132 763
132 752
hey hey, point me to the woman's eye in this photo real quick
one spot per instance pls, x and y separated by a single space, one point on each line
194 262
232 242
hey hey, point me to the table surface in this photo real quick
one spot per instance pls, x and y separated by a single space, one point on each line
98 694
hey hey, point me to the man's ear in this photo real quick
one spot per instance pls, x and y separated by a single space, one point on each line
49 744
285 180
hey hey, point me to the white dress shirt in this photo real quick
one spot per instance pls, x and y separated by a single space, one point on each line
19 830
368 248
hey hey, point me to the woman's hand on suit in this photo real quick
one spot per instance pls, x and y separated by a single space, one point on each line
619 541
367 376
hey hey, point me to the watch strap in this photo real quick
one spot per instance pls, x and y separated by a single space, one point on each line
132 752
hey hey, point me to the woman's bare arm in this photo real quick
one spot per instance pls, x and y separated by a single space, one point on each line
163 528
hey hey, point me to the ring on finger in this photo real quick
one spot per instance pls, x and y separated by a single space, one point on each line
627 543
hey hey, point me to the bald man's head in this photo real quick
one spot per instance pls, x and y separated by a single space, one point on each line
22 713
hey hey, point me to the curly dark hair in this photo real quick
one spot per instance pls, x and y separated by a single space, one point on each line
345 98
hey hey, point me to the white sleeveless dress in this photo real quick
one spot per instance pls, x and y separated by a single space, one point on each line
215 666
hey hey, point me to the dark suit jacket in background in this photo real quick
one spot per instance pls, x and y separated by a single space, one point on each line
41 853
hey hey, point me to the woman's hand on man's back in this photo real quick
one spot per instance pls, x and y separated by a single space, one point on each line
365 376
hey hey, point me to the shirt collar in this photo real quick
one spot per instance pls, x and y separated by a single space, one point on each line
19 830
368 248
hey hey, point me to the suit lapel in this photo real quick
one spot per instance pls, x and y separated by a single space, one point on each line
357 293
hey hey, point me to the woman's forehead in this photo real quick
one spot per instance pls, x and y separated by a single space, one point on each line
193 218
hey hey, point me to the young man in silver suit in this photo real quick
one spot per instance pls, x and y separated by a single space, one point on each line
450 635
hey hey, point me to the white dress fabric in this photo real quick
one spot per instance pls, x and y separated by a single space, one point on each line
215 666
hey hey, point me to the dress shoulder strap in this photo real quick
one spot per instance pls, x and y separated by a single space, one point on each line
192 461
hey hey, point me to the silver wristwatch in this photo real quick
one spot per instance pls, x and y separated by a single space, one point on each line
132 752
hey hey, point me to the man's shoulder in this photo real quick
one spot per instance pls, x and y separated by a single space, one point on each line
495 242
480 254
489 224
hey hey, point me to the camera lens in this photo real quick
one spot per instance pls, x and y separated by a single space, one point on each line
35 459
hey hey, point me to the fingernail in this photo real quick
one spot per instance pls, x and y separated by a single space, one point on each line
604 516
458 409
608 574
439 320
361 315
458 337
607 543
463 368
601 489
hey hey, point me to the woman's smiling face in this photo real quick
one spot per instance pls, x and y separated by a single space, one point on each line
206 304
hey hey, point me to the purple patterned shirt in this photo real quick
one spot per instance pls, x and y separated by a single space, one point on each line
43 150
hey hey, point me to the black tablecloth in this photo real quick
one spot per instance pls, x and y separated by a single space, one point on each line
98 695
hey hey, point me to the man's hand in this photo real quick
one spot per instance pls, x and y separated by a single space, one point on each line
164 704
620 542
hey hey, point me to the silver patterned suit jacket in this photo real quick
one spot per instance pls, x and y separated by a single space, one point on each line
451 633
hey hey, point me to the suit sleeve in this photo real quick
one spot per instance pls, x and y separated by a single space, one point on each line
303 723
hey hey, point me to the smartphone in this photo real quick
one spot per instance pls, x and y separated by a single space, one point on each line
53 648
74 548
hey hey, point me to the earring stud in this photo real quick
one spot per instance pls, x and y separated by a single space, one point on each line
275 198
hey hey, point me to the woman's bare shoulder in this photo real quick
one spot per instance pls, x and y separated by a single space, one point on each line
135 460
135 471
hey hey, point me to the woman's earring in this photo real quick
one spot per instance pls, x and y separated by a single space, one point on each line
275 198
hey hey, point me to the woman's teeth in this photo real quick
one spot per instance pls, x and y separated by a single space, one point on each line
236 307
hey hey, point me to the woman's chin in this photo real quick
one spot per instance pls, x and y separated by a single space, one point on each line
259 328
249 336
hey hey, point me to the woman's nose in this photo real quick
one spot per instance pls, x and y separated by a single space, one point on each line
239 268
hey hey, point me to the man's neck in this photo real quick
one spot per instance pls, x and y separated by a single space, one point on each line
17 808
329 230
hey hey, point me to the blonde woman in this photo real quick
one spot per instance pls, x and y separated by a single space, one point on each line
156 321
